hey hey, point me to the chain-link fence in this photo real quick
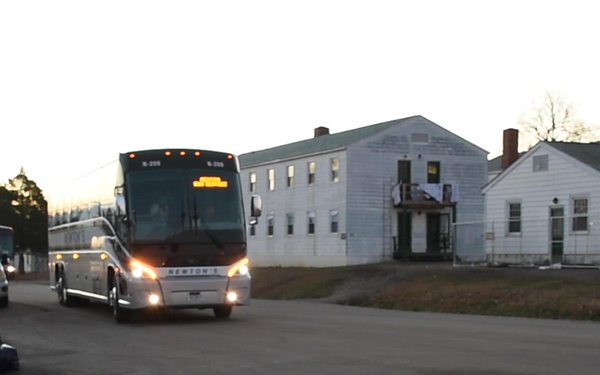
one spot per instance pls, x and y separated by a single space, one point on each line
469 243
568 240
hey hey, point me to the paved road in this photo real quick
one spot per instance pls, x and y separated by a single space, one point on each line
276 337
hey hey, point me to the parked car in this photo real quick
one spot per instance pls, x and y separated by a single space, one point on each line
3 288
9 358
10 270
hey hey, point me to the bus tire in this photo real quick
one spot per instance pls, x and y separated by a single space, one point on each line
61 288
4 302
223 312
120 314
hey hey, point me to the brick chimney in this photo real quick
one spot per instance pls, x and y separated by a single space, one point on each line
321 130
510 147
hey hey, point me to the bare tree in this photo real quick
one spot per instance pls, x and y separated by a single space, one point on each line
554 119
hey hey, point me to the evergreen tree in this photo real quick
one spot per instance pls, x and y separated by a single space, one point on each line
23 206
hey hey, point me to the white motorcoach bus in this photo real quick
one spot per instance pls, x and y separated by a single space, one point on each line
162 229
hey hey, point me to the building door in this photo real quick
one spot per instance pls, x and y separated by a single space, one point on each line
434 232
404 232
557 233
404 174
404 177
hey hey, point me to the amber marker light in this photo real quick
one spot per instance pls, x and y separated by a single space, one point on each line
182 153
168 153
197 153
75 256
229 156
103 256
59 256
131 156
241 267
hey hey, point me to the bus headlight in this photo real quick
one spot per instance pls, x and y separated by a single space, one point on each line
232 297
10 269
154 299
139 270
239 268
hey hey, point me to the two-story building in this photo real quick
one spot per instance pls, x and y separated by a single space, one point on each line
386 191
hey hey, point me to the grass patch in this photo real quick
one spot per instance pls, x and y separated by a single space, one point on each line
563 294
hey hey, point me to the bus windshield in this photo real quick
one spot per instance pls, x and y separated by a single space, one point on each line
7 242
185 206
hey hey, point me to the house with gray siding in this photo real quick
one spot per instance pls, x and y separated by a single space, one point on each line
387 191
543 206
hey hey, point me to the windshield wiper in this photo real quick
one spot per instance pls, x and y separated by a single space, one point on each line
181 224
205 228
210 234
195 217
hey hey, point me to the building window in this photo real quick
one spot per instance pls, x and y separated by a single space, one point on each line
290 224
311 223
419 137
312 170
335 170
252 182
334 219
580 214
271 179
514 217
270 224
433 172
290 176
540 163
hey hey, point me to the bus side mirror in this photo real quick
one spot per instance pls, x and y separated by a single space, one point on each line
120 202
255 206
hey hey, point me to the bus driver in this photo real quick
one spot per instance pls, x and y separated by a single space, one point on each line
160 210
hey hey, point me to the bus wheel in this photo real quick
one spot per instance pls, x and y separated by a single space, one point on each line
120 314
223 312
61 288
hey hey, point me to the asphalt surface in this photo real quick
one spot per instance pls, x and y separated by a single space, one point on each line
289 337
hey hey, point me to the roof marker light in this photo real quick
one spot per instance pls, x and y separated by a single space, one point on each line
182 153
168 153
131 156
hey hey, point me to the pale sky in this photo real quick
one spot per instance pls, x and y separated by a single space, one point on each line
81 81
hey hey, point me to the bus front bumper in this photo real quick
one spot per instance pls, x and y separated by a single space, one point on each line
187 292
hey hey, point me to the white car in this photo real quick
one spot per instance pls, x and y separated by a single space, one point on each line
3 288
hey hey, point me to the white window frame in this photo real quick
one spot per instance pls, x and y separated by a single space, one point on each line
289 228
509 219
540 163
578 215
252 178
334 221
335 169
312 172
270 224
290 176
311 220
271 179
